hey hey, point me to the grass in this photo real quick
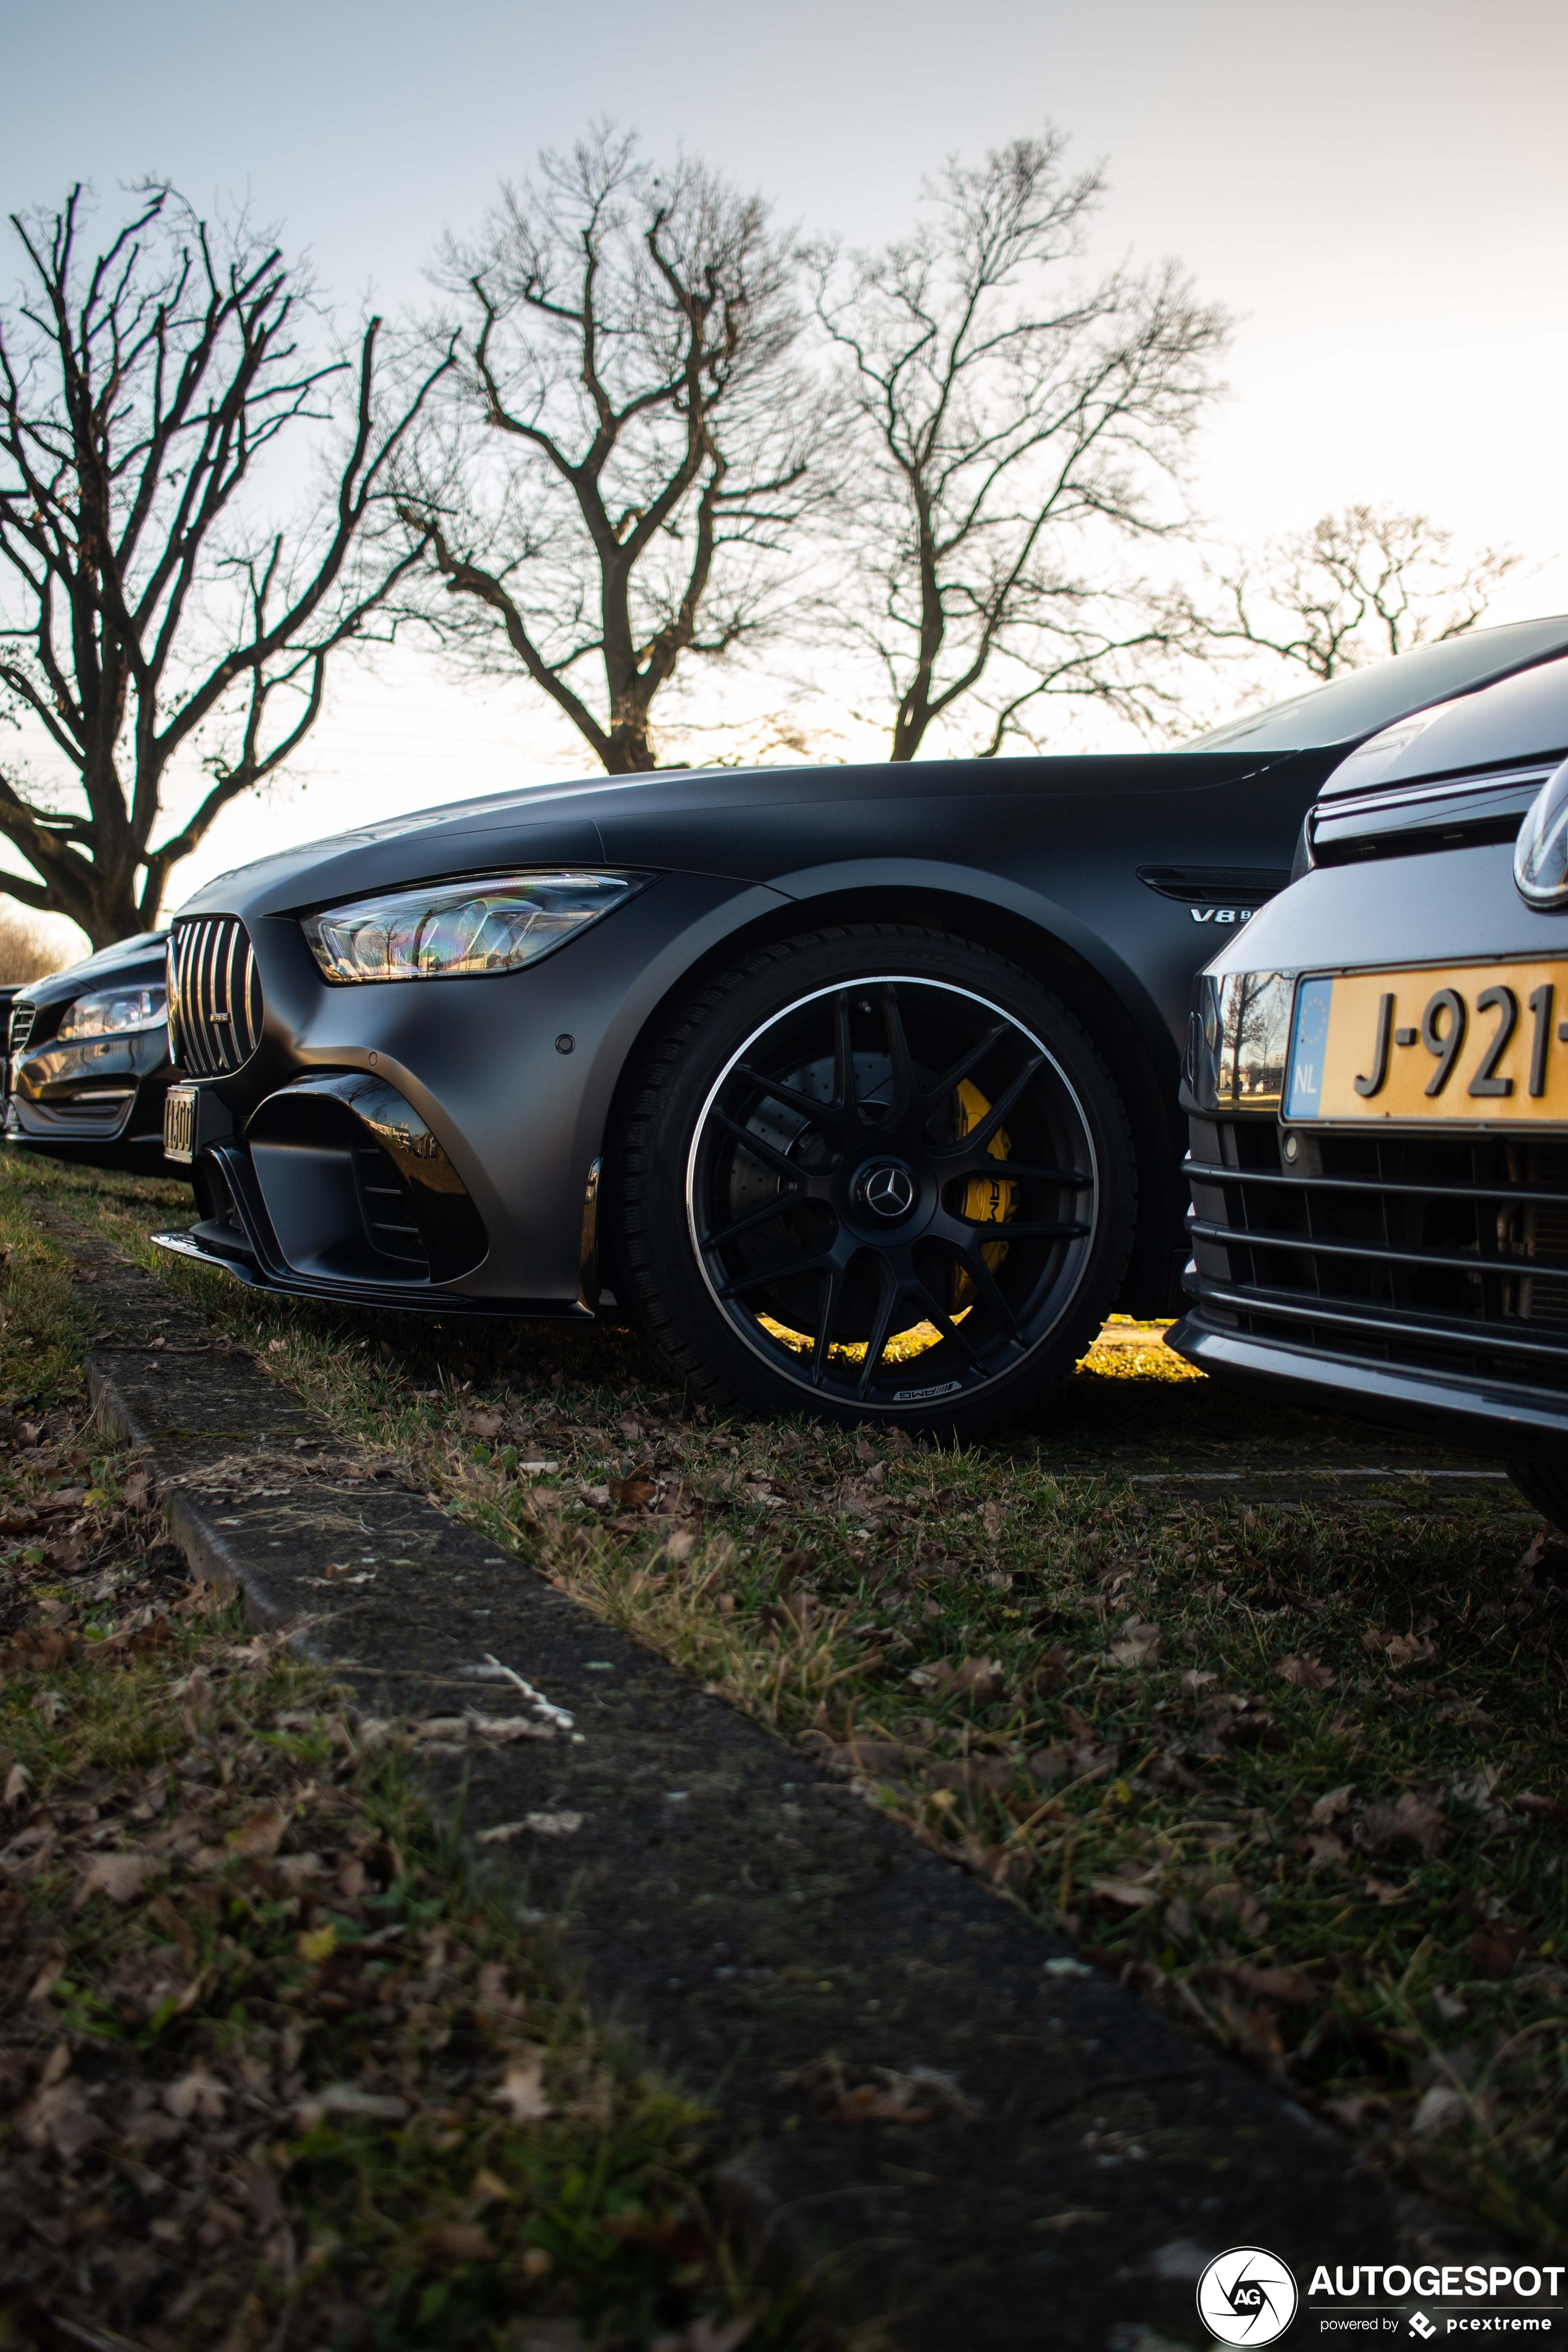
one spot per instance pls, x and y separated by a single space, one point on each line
277 2065
1296 1771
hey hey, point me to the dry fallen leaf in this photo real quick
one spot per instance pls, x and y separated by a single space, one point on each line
59 2117
460 2241
1308 1672
1440 2109
121 1876
18 1781
1138 1645
1329 1809
1411 1822
195 2094
522 2092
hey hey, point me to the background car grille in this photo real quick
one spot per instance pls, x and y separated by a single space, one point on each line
1439 1253
214 996
21 1027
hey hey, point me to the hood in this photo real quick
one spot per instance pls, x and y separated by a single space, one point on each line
136 959
701 820
1523 719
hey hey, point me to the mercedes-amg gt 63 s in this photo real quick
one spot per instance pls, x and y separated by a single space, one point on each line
87 1059
1378 1088
856 1087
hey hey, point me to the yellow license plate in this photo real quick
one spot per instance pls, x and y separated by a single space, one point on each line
1459 1042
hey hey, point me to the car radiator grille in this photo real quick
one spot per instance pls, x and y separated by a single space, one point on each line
214 996
21 1017
1443 1253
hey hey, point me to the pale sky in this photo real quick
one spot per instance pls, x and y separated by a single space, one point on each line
1378 187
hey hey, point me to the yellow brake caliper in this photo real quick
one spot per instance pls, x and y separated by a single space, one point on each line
987 1199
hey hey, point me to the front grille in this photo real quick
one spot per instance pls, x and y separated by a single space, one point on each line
214 996
1437 1253
22 1018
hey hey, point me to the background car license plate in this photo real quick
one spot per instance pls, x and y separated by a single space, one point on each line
1461 1044
180 1123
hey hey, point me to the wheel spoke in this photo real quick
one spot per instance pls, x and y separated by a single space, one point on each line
1004 1230
988 1289
980 1163
763 1276
979 1137
944 1320
819 1113
769 1210
843 1059
766 1152
832 1291
952 1078
891 1292
904 1068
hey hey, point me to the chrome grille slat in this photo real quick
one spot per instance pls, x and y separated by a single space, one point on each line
21 1028
215 995
1419 1250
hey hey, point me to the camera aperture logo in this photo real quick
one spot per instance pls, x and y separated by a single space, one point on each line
1247 2296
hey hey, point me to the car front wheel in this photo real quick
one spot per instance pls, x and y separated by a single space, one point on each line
873 1173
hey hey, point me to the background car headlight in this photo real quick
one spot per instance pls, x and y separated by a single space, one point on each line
1239 1039
1540 853
448 930
116 1013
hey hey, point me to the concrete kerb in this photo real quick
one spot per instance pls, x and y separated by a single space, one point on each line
1052 2161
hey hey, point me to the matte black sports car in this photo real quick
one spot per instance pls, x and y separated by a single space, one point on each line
87 1064
857 1085
1378 1083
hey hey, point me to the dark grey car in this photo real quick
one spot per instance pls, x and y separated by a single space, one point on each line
857 1086
87 1059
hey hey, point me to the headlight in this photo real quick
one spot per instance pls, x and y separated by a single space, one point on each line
448 930
1540 853
1239 1040
117 1012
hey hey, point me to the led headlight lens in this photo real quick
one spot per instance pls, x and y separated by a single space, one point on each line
1540 853
116 1013
450 931
1238 1040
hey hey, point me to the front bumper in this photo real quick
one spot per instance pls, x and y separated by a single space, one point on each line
500 1089
1491 1416
100 1100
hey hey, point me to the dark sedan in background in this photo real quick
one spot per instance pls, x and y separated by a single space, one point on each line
88 1065
857 1086
1378 1086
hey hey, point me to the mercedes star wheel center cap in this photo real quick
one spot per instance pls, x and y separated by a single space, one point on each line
886 1188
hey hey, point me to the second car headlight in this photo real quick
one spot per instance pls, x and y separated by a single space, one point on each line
451 931
115 1013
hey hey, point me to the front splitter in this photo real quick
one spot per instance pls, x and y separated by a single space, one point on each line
408 1299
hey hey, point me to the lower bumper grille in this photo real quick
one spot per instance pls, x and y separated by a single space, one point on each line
1439 1254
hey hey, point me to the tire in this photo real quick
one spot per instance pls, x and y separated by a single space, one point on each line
1545 1483
930 1241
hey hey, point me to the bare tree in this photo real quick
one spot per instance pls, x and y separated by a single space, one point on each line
140 614
1358 586
625 445
1019 429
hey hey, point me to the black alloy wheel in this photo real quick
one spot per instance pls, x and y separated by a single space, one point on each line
873 1174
